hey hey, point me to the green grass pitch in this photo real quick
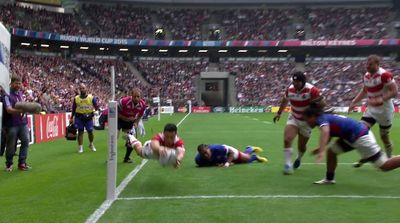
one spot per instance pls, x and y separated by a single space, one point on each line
65 186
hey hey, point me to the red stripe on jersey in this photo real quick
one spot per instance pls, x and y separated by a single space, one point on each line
375 89
300 103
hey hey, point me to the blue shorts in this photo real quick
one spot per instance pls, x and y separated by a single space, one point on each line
82 123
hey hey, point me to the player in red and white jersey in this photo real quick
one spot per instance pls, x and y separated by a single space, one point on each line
300 94
379 88
130 111
166 147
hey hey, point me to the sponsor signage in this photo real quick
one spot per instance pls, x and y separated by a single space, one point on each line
218 109
182 109
49 127
253 109
201 109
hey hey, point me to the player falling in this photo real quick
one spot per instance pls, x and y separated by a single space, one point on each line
300 94
224 156
166 147
352 135
380 88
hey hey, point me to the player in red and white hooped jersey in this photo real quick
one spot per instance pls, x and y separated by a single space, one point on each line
379 88
300 94
166 147
130 111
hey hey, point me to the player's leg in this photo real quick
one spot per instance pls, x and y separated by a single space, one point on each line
304 136
126 127
371 152
391 164
369 121
302 147
289 134
80 126
251 150
89 129
384 133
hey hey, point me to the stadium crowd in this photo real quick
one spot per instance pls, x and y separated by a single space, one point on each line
174 79
53 81
121 21
353 23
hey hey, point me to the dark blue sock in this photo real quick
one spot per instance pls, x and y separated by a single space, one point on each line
252 158
330 176
248 150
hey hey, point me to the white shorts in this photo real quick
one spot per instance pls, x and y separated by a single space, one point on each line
304 129
236 152
383 115
366 146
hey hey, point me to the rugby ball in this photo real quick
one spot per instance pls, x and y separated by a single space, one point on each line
31 107
167 157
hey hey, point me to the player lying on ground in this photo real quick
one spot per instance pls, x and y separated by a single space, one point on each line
224 155
166 147
353 135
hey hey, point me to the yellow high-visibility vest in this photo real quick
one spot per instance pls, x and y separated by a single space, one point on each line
84 105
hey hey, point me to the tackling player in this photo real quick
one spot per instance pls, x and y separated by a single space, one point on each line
130 112
380 88
353 135
224 155
300 94
166 147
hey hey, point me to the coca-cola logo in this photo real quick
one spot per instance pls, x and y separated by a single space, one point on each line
52 127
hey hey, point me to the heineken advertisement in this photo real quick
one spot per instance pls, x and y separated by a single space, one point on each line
253 109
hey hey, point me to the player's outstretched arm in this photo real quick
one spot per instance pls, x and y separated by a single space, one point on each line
362 94
323 141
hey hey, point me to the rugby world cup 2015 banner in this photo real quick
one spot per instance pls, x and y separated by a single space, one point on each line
187 43
253 109
49 127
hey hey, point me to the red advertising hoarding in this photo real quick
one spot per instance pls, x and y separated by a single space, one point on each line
201 109
49 127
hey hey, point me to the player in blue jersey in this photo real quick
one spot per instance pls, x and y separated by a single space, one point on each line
352 135
224 155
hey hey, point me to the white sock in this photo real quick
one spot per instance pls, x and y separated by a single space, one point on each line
80 147
288 156
91 144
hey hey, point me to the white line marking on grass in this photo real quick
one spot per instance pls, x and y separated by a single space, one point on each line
267 122
107 203
325 164
255 119
278 196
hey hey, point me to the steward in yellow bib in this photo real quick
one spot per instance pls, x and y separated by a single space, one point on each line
83 108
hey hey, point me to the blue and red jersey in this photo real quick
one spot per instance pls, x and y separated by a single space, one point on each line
343 127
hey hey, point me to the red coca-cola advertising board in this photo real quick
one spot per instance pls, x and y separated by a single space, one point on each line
49 127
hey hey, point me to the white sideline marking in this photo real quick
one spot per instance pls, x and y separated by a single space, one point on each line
283 196
93 218
267 122
322 163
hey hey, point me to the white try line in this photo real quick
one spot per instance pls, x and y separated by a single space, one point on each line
93 218
278 196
